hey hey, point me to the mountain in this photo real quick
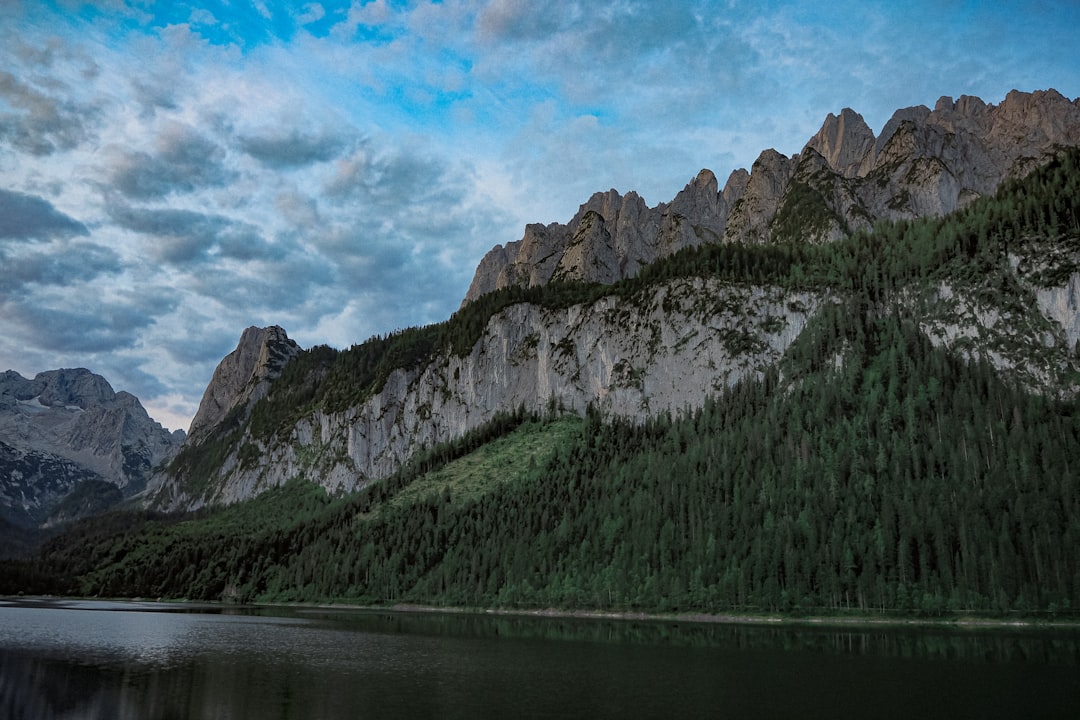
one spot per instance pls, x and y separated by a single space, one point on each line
240 381
887 421
71 446
924 163
640 312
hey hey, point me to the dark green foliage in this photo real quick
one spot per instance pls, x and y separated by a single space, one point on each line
805 213
197 464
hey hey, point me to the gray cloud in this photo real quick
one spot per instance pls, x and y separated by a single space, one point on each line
517 20
185 160
41 124
291 283
292 149
29 217
154 94
399 181
184 236
199 345
60 265
82 323
346 184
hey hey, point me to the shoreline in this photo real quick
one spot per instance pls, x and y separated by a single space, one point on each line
705 618
864 621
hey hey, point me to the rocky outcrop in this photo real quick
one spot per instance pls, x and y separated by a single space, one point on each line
755 209
242 377
846 143
65 428
610 237
923 163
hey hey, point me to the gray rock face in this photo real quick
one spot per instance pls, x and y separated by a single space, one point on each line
752 215
664 350
846 143
924 163
611 237
64 428
241 379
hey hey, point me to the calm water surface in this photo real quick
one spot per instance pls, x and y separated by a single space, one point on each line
67 659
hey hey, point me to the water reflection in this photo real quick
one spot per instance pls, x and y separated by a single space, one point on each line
120 660
998 644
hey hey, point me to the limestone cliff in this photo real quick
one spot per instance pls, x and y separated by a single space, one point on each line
662 350
243 376
667 345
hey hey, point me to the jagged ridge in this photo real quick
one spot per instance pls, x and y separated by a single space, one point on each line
924 163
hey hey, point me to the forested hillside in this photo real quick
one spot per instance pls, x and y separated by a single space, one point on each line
888 462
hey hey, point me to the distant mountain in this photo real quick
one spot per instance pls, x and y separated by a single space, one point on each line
71 446
638 312
925 163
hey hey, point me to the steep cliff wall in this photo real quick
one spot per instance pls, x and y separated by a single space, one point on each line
1000 284
664 349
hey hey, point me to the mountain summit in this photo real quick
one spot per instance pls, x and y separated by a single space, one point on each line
241 379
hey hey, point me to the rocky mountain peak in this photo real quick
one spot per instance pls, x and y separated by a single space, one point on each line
243 376
735 186
78 387
915 115
751 215
701 199
1038 118
846 142
65 428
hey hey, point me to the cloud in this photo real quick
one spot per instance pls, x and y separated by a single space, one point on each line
51 322
363 13
61 265
40 123
504 21
29 217
398 181
313 12
340 167
182 161
292 149
184 237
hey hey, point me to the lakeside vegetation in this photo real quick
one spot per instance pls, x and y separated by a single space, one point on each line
869 471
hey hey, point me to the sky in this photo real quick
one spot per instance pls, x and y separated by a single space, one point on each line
174 172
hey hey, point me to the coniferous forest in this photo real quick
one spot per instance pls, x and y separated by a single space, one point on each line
870 470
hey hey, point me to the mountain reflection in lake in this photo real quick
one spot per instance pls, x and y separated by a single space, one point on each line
66 659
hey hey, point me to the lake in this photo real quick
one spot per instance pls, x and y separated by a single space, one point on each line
119 660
